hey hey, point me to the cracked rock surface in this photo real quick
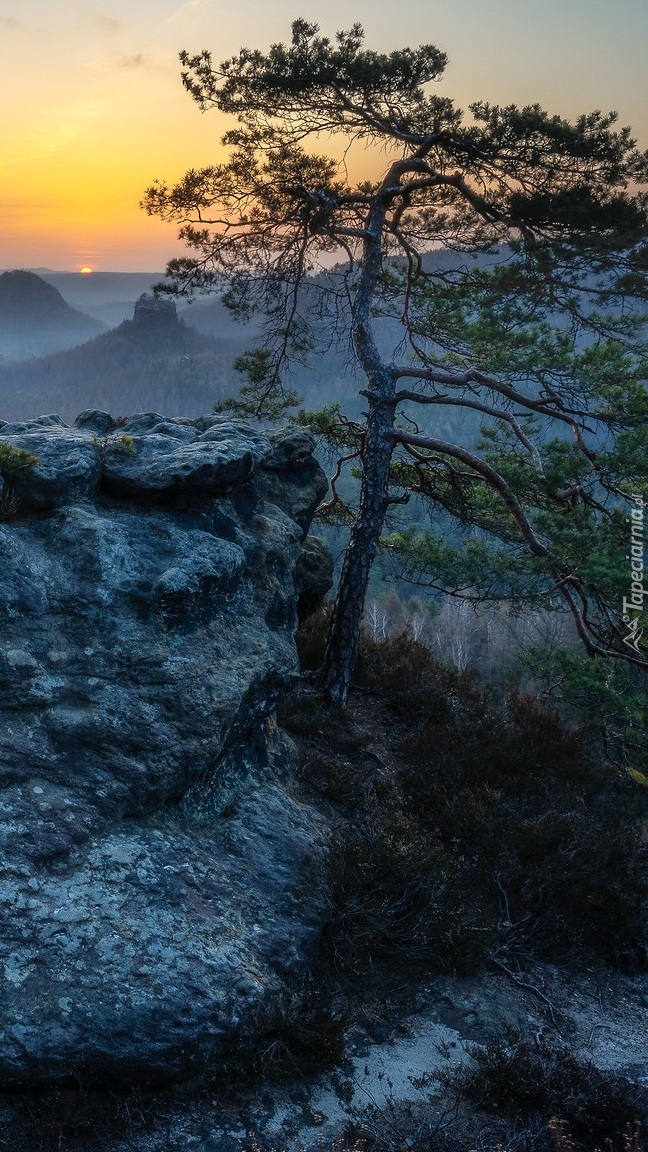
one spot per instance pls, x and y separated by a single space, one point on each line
160 891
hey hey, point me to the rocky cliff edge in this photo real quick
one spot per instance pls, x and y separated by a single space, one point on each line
160 891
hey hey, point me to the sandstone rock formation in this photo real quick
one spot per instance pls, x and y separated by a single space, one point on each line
155 314
160 890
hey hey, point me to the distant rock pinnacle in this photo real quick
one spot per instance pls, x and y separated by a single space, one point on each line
155 314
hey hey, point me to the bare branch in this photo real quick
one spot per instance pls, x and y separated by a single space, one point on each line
483 469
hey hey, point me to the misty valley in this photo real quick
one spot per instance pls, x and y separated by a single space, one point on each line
70 342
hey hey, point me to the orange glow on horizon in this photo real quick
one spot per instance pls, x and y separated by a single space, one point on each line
83 144
86 270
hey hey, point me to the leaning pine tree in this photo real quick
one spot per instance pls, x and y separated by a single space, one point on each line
531 322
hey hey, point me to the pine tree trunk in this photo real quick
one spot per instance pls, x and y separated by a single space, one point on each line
344 632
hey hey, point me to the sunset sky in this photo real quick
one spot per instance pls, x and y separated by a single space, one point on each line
93 109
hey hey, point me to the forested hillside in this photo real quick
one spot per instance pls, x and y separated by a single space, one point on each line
167 365
36 320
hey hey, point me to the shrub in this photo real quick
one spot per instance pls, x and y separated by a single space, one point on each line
550 840
305 1036
397 911
470 828
14 460
529 1080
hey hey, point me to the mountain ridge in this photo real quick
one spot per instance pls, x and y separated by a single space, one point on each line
36 320
155 356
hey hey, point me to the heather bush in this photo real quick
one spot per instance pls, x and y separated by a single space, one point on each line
530 1080
470 827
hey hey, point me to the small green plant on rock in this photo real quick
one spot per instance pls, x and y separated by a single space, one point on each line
124 445
14 460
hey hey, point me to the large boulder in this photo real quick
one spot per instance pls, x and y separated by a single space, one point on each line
291 477
160 890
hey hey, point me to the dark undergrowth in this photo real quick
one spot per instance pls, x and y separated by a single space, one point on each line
534 1080
518 1095
524 1096
470 831
473 831
470 828
78 1116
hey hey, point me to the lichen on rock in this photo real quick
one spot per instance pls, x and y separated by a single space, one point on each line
159 887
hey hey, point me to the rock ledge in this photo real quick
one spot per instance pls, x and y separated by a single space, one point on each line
160 891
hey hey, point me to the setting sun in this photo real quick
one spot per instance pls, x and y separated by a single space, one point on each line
86 269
